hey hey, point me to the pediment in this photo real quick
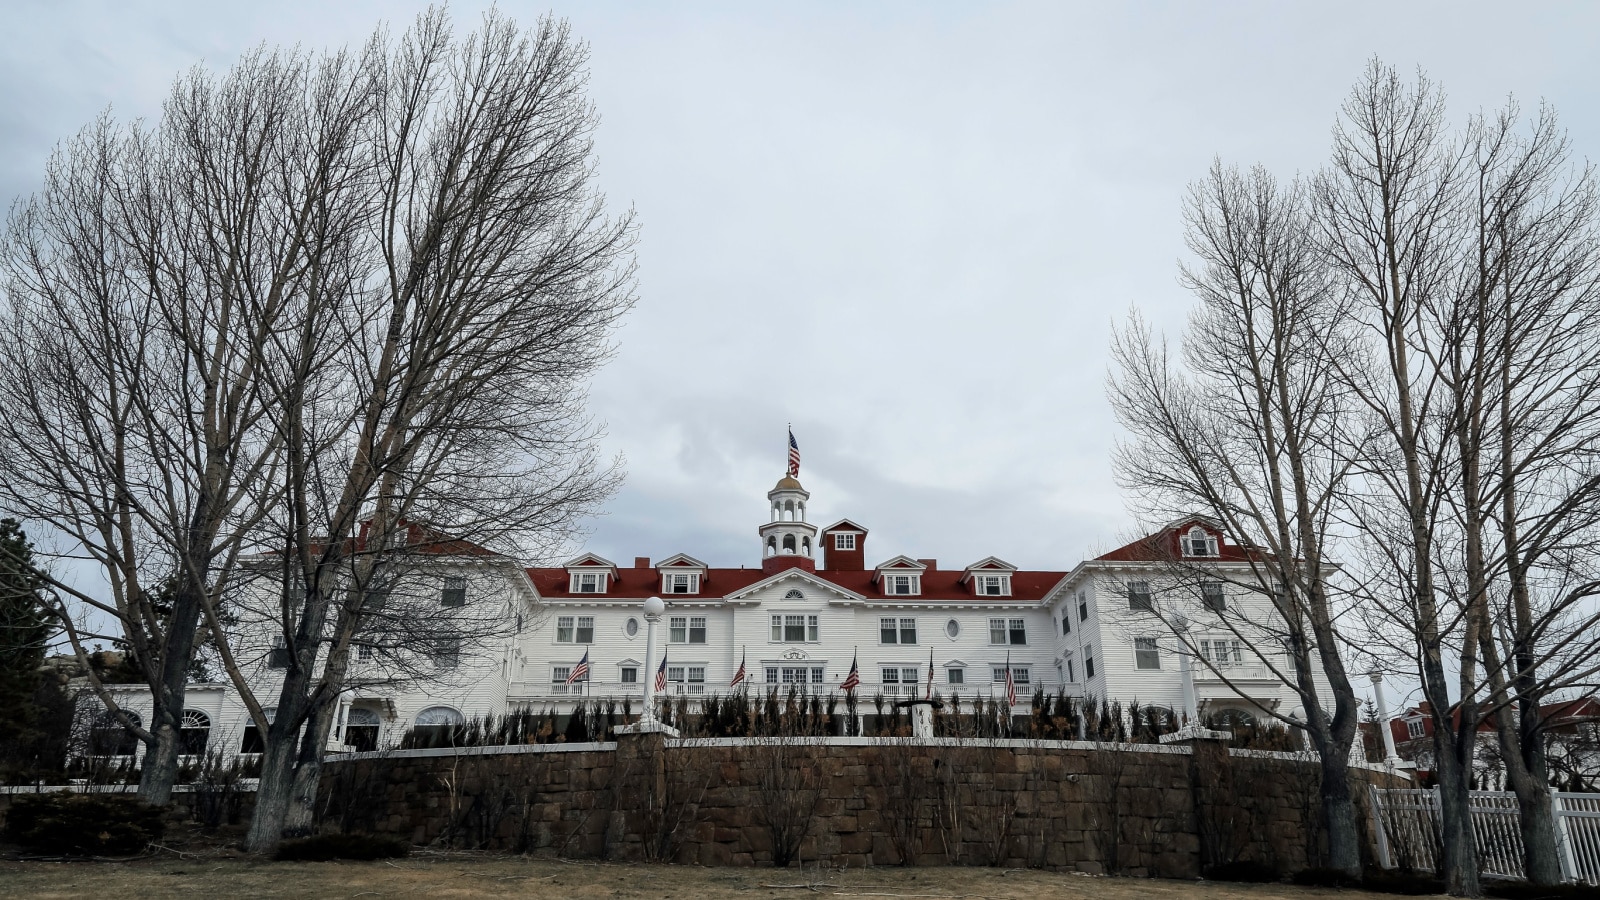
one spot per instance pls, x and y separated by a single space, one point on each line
590 561
796 579
845 525
901 563
680 561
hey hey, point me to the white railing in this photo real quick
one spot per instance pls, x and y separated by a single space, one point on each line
1406 822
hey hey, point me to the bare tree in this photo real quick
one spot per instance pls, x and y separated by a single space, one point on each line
1249 429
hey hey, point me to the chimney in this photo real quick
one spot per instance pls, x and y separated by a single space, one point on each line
641 562
932 564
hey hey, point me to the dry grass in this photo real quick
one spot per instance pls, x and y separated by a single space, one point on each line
459 875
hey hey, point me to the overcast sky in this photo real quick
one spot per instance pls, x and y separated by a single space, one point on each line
905 228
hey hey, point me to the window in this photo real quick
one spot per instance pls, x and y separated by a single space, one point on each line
795 629
899 675
1020 675
952 628
560 674
844 542
588 583
193 731
955 676
1146 655
1008 631
446 653
772 674
687 629
1083 606
681 583
1066 624
363 652
1199 543
361 729
1414 728
1212 597
251 741
904 585
1070 677
1221 652
1088 661
455 591
437 726
631 627
897 631
1139 595
993 585
630 674
278 657
575 629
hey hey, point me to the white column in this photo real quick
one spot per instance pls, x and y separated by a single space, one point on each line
1191 705
1391 758
653 608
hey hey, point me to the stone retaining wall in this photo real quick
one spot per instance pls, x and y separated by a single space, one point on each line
1135 809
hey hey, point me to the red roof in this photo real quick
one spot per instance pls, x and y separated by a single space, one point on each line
936 584
1163 546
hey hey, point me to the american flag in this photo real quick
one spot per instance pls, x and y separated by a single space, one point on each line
1011 684
661 674
929 695
580 672
794 456
739 676
853 680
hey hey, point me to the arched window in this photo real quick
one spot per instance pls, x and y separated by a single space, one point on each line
437 726
772 546
107 737
788 510
1233 717
805 546
788 543
794 595
1199 543
361 729
194 732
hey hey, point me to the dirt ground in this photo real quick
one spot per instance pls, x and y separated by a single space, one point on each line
459 875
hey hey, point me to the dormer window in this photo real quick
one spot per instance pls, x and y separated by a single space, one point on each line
588 583
1199 542
902 585
680 583
844 542
992 585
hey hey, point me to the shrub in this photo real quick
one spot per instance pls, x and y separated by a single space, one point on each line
1242 870
89 824
1522 890
324 847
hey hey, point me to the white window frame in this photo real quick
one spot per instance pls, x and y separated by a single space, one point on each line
1205 542
1146 650
810 623
895 580
1140 596
992 585
1214 590
955 675
624 672
587 583
689 580
683 629
570 629
844 542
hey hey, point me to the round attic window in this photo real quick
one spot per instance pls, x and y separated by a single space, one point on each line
952 628
631 627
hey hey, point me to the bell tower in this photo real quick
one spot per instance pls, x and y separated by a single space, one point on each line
787 539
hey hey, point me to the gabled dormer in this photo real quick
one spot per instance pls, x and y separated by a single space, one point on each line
590 574
899 577
681 574
1198 538
989 577
844 546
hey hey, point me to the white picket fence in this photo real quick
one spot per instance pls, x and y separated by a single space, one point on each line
1406 823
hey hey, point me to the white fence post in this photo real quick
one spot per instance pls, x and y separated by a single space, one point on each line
1558 809
1376 798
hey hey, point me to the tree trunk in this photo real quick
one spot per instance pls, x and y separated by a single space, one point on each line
272 795
1338 813
158 770
1541 859
301 818
1459 862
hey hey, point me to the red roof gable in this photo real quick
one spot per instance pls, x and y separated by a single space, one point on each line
1163 547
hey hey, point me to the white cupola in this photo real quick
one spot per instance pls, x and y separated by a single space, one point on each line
787 539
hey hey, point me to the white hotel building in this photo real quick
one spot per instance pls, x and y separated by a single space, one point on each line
799 617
